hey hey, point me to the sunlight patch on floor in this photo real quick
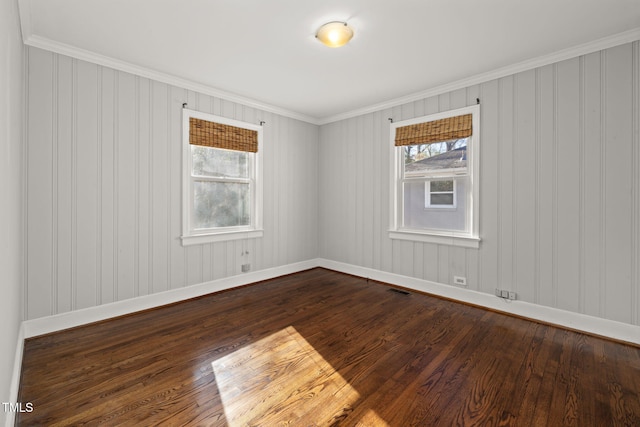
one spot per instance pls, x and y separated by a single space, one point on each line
281 379
371 419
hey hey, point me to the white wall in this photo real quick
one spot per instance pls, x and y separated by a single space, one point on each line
559 209
559 188
11 106
104 188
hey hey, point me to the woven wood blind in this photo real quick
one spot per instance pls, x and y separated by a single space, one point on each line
434 131
218 135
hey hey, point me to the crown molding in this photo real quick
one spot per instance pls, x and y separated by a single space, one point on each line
569 53
127 67
34 40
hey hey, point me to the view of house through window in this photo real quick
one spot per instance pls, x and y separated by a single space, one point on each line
436 160
435 185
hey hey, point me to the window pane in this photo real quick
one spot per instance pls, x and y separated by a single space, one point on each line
220 204
438 186
219 163
417 215
424 159
442 199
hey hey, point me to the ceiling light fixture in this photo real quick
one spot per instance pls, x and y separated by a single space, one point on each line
335 34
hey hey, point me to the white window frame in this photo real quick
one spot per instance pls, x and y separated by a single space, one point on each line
192 236
470 239
428 193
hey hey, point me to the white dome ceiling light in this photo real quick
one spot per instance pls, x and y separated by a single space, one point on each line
335 34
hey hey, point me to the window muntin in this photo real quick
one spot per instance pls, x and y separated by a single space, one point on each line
222 187
435 191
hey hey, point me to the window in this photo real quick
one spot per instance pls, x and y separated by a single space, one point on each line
435 178
222 189
440 194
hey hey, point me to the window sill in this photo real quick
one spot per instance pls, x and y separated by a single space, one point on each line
439 238
199 239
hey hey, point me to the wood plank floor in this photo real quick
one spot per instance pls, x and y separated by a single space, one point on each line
324 348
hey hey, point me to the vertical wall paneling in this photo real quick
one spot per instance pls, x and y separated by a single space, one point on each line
525 186
350 195
150 189
106 186
64 183
178 275
369 207
386 253
160 183
443 264
506 133
582 191
489 175
103 188
545 162
86 182
592 179
40 173
116 187
126 182
269 203
276 157
286 185
430 262
618 145
143 274
602 260
568 183
635 278
136 187
359 192
558 188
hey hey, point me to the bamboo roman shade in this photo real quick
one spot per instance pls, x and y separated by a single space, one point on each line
218 135
434 131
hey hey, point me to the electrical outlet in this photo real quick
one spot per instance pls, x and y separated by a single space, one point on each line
460 281
246 268
510 295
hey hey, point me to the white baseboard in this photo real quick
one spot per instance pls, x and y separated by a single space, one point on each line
576 321
58 322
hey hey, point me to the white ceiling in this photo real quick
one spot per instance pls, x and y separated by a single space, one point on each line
265 51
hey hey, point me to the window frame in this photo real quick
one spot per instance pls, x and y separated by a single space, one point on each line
470 238
193 236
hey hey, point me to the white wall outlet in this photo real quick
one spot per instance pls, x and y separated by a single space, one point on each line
246 268
512 295
460 281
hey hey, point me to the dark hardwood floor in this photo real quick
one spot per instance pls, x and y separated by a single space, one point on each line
324 348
